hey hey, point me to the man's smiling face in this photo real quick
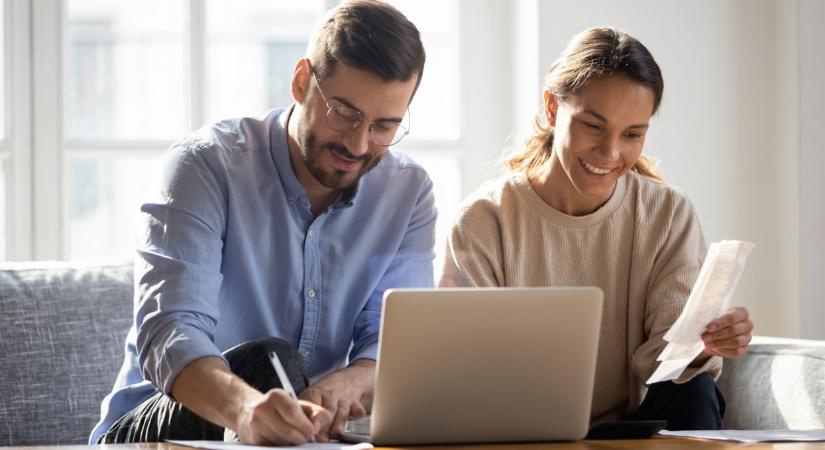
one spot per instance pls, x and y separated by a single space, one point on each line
337 159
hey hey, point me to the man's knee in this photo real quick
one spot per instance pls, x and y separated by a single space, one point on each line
250 361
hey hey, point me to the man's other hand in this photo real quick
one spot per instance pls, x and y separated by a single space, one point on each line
347 394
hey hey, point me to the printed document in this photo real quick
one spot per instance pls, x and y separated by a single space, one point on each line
708 299
221 445
750 436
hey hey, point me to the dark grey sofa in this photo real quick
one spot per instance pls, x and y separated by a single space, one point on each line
62 327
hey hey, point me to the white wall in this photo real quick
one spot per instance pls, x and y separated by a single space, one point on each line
487 89
812 160
728 129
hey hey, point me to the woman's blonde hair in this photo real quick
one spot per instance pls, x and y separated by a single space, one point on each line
594 53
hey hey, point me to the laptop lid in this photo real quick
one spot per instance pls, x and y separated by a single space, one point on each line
485 365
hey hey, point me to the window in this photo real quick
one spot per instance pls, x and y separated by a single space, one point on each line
435 138
3 74
125 86
251 50
4 151
125 69
3 202
120 82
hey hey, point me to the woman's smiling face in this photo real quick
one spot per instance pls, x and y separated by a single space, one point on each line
599 133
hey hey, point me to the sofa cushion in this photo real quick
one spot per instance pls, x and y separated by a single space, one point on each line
62 328
780 384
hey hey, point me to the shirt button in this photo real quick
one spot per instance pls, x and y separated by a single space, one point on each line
311 293
305 353
290 198
311 233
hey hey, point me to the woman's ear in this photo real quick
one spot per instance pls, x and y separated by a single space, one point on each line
301 78
551 106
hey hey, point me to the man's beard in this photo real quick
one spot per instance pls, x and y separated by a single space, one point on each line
334 179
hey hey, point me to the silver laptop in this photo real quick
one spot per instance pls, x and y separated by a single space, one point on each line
483 365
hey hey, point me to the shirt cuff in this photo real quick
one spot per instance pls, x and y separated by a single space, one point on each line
369 351
174 353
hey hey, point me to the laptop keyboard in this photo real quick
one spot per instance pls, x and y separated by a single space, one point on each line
358 426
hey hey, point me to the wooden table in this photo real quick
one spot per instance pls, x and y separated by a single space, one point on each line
664 443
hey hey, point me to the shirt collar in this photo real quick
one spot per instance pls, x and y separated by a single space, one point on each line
280 153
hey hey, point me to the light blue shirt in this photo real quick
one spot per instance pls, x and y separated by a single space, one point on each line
229 251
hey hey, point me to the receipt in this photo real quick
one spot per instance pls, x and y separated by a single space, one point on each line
708 299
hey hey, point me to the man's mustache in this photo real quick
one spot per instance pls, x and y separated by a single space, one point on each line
345 153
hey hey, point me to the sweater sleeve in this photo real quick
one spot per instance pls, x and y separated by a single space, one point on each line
675 269
473 255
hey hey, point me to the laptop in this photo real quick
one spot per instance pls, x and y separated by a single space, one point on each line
483 365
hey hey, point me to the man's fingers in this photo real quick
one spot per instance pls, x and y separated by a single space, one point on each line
311 395
340 418
320 418
357 410
328 402
320 397
299 429
269 428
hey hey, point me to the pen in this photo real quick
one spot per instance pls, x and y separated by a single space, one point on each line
279 370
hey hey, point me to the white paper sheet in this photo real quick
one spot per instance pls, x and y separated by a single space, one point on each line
220 445
750 436
708 299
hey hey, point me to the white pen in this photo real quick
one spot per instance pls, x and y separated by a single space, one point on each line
285 384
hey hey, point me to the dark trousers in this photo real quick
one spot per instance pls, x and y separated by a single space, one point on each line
160 417
695 405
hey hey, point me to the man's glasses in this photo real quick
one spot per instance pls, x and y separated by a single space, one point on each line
345 119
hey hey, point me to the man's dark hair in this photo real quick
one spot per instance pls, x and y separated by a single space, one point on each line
368 35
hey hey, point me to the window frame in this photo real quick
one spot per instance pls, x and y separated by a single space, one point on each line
15 148
38 195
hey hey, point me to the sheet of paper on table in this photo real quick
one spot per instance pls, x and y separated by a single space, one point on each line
220 445
708 299
750 436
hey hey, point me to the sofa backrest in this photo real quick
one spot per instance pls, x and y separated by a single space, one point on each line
62 329
63 325
779 384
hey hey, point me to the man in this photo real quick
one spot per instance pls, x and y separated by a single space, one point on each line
287 228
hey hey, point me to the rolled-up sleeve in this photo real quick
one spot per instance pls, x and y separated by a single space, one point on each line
177 268
412 267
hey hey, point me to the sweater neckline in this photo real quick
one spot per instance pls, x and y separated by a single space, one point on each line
522 185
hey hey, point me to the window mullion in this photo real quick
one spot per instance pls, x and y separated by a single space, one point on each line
197 63
17 28
47 113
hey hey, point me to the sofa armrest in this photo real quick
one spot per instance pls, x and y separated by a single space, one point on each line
779 384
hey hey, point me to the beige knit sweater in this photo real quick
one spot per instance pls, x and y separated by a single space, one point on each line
643 248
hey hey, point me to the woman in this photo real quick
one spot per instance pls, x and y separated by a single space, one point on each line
581 206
